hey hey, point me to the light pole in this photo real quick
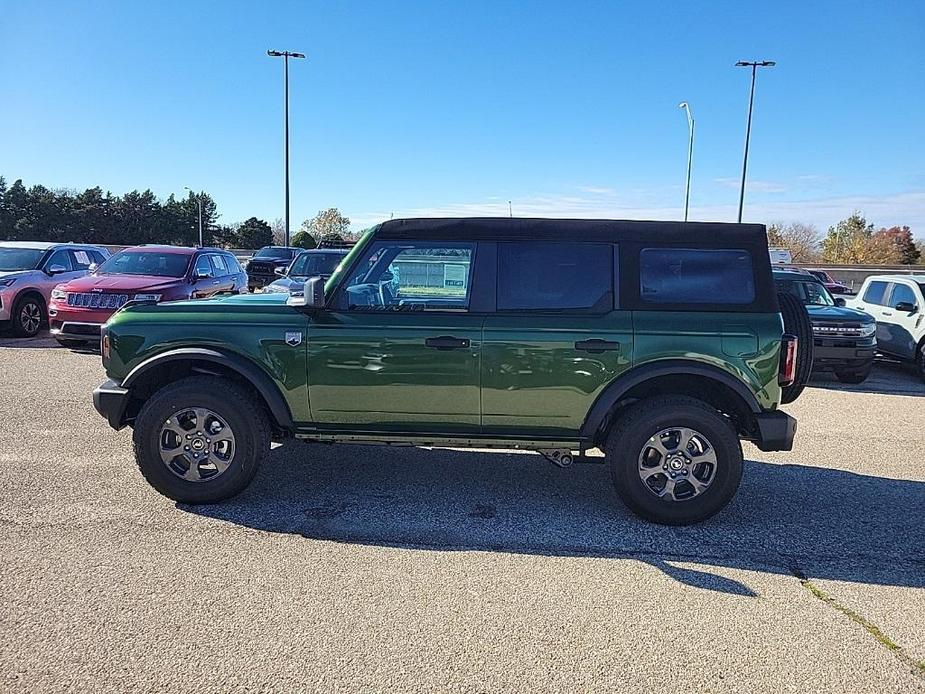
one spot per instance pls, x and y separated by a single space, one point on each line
286 55
690 155
198 202
754 65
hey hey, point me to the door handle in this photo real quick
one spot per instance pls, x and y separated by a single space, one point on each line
216 281
885 313
445 342
597 346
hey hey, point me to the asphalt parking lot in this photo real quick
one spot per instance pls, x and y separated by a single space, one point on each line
366 568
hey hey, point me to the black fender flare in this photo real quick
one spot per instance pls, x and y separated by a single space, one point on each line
247 369
621 385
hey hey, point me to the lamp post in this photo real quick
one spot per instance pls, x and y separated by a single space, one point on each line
198 202
754 65
286 55
690 156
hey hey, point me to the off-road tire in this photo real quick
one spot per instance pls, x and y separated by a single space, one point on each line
629 435
21 304
853 377
796 322
240 409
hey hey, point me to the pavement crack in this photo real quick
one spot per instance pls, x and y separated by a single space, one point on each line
916 667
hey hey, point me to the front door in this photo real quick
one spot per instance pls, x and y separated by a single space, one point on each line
398 348
900 325
556 340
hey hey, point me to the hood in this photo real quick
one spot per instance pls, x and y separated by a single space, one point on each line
838 313
11 274
123 283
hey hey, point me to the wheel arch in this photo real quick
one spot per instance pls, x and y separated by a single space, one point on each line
705 382
172 365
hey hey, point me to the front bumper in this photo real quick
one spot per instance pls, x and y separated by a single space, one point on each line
836 354
111 401
776 431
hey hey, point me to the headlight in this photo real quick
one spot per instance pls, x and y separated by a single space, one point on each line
7 282
58 294
868 329
146 297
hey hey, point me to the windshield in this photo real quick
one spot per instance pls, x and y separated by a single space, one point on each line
810 293
315 264
19 259
159 264
273 252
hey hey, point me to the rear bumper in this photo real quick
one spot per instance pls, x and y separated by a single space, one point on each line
111 400
776 431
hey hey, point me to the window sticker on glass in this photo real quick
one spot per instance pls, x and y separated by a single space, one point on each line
82 257
455 275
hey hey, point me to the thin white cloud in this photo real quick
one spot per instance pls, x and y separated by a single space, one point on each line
753 186
882 210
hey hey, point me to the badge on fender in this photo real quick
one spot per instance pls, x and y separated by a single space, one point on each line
293 339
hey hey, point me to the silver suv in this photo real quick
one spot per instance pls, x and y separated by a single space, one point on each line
29 270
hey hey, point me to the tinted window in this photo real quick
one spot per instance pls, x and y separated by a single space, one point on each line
81 259
98 257
695 276
156 263
61 258
280 252
875 292
810 293
902 293
218 265
536 275
412 276
203 266
315 264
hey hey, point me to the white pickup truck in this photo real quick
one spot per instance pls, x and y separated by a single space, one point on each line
897 302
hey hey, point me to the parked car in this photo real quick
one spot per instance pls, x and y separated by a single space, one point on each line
833 285
660 343
844 338
897 302
144 273
30 270
318 262
261 268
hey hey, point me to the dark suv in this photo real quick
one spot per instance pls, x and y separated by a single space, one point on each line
844 338
261 268
658 342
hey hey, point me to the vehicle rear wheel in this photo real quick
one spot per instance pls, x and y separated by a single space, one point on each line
675 460
200 440
27 316
920 362
853 376
796 322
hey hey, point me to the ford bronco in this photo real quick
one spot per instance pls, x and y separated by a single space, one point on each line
660 343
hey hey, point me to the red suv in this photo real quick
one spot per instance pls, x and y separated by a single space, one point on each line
154 273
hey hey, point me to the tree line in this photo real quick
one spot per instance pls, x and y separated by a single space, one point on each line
93 216
39 213
853 241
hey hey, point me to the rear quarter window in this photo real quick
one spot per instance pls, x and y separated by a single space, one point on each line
696 276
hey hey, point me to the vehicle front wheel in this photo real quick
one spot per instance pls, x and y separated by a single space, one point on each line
675 460
27 316
201 439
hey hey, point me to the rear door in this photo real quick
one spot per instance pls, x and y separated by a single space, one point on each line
556 338
399 348
874 301
222 273
900 326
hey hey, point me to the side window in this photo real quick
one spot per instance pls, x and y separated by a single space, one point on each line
875 293
234 267
696 276
218 265
550 275
411 276
62 258
902 293
81 259
203 266
97 257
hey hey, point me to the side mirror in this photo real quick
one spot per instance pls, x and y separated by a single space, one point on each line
56 269
279 271
906 307
92 268
839 301
201 275
312 295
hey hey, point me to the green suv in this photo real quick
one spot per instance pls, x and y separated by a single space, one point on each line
660 343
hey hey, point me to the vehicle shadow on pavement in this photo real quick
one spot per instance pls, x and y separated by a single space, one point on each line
887 378
786 519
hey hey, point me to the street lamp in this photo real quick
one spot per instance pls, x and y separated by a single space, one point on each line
754 65
286 55
198 202
690 155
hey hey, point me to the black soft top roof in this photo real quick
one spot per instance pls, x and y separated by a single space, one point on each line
494 228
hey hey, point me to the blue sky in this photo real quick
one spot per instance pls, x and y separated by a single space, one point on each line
439 108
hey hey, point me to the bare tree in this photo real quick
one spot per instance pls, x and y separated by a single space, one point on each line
802 240
279 232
